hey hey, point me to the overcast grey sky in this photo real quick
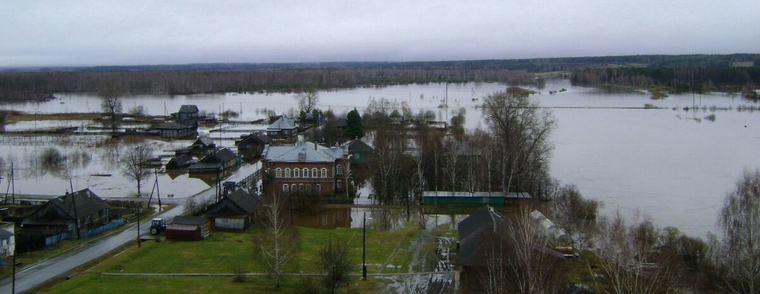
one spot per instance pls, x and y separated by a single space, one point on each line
61 33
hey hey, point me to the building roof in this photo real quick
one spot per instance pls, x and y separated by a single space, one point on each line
203 142
220 156
86 202
238 202
483 226
245 200
188 109
258 137
282 123
189 220
359 146
303 152
180 161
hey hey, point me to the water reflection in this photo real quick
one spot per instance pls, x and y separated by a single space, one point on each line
326 218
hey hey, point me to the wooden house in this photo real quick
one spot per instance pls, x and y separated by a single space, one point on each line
251 146
181 161
218 161
175 130
282 128
482 235
361 153
200 222
187 112
235 211
59 214
203 144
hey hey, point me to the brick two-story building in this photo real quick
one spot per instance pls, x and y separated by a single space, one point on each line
306 167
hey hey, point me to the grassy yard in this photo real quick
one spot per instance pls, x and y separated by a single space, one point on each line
221 252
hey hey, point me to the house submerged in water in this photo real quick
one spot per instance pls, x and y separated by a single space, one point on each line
218 161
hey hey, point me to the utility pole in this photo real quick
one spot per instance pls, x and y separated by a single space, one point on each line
364 247
76 214
138 226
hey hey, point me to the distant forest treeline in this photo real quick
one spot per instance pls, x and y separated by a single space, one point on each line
26 85
39 83
675 79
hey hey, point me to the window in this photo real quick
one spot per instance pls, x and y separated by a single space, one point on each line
293 188
318 188
324 172
296 173
308 188
285 188
314 173
305 172
287 172
356 155
339 184
278 173
338 170
300 187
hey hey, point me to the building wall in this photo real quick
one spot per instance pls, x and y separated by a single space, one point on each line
328 184
224 223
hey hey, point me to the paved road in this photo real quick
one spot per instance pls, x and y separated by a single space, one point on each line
64 264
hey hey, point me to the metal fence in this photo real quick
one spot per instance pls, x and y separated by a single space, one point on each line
71 235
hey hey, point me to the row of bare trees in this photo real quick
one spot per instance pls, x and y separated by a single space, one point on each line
512 155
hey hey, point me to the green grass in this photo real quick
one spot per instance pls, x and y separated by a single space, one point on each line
223 250
98 283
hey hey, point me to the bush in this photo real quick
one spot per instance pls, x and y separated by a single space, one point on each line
138 110
51 156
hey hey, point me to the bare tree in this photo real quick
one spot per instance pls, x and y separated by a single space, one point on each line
386 162
522 131
738 253
278 241
487 152
451 162
628 259
110 103
335 261
575 214
307 100
133 163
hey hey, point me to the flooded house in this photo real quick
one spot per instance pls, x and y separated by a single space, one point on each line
175 130
283 128
252 145
203 144
187 112
59 215
181 161
235 211
306 167
218 161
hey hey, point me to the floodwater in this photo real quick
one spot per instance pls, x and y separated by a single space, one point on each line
673 165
